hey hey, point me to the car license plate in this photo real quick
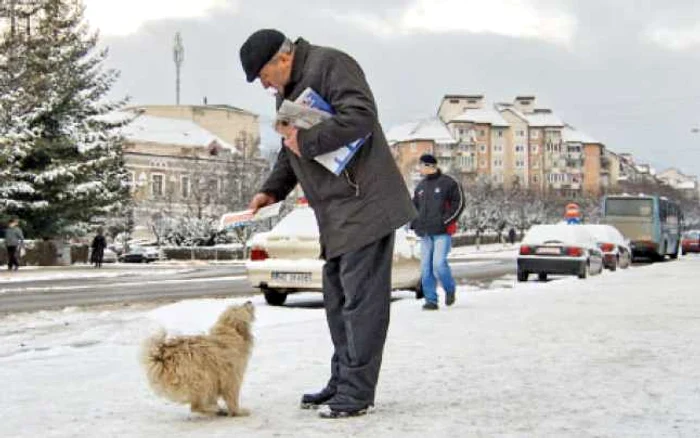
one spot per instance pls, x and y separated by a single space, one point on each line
548 250
292 277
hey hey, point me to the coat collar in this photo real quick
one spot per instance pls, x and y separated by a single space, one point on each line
301 53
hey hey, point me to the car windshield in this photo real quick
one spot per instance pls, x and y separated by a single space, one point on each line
300 223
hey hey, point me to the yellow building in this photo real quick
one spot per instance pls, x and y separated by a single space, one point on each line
235 126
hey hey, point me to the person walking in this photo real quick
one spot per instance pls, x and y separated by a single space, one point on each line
357 211
511 236
99 243
440 202
14 242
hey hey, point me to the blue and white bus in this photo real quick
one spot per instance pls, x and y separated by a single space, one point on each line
651 223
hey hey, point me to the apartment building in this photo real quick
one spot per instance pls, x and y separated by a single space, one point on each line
686 184
580 146
411 140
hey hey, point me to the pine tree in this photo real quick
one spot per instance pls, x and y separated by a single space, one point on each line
63 150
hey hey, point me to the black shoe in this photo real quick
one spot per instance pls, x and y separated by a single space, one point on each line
312 401
331 413
449 299
430 306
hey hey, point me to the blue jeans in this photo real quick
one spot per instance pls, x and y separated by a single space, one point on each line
434 267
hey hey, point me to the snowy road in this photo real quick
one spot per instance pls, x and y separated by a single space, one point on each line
611 356
158 284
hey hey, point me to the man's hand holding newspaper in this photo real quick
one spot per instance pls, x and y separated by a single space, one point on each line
307 111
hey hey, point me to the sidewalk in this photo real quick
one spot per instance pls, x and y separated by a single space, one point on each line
611 356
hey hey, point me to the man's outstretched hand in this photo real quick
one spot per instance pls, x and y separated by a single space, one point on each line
261 200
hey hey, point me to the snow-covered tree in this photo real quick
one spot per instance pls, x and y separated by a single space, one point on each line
63 154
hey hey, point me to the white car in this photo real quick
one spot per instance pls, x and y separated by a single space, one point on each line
616 249
560 250
286 259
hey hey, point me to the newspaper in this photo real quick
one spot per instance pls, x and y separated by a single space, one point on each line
246 217
307 111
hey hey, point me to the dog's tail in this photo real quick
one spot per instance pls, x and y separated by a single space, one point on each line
153 352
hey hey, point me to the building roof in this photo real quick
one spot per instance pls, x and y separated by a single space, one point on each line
164 130
571 135
543 118
482 115
220 107
428 129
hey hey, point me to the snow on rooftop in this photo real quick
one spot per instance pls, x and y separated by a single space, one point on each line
571 135
543 118
164 130
482 115
428 129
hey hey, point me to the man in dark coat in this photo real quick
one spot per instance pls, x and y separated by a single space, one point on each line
99 243
440 201
357 211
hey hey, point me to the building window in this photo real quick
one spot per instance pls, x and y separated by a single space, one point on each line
520 164
535 179
482 147
500 133
497 163
482 133
519 148
185 186
454 101
131 180
482 163
521 133
534 134
157 185
534 149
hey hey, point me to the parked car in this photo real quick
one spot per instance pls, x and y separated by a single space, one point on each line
108 256
559 249
690 242
285 259
616 249
141 254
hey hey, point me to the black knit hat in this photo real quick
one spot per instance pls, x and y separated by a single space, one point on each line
258 50
428 159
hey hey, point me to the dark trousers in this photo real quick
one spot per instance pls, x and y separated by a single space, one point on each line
357 298
12 261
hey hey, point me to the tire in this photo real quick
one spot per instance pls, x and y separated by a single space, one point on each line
613 268
542 276
523 275
274 297
675 255
584 273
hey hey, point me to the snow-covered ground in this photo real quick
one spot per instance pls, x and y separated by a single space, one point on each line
612 356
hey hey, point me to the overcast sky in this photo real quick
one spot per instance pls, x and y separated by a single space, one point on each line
623 71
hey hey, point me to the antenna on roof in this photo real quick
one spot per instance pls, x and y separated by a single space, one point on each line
179 58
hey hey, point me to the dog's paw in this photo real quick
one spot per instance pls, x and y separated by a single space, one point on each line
241 413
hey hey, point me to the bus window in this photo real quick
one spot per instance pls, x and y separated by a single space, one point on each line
629 207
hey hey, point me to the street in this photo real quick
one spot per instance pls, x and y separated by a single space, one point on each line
160 283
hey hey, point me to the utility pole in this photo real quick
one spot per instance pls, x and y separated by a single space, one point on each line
178 57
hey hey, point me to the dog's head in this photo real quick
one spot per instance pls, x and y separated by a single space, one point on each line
238 318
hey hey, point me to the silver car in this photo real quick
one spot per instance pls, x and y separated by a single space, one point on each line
559 250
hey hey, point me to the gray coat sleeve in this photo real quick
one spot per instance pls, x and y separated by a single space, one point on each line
282 179
348 93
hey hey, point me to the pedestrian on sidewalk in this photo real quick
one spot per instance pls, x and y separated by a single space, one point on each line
99 243
357 212
14 242
511 236
440 202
